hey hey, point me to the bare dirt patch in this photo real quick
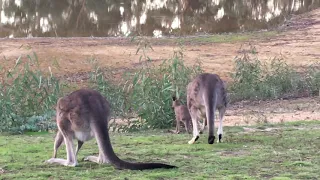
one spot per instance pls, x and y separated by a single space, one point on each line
233 153
249 113
298 42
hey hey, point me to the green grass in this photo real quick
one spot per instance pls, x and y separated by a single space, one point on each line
289 152
228 38
219 38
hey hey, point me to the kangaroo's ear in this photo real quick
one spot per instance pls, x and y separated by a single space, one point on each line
174 98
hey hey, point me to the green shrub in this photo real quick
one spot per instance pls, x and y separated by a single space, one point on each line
313 78
113 91
153 87
27 97
146 92
254 80
101 80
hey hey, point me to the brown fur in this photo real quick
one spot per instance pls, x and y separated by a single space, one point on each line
182 115
84 115
205 94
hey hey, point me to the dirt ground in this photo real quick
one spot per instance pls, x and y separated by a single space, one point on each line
297 41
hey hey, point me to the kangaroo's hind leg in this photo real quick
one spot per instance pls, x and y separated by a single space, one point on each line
71 155
177 126
57 143
222 111
204 124
187 125
194 118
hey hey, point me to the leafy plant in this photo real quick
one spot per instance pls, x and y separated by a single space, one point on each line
152 89
27 96
255 80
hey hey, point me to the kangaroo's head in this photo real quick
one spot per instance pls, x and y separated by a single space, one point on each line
175 102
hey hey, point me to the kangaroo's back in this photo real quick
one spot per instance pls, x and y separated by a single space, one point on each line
204 85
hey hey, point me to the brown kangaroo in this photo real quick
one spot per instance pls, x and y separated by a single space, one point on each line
82 115
206 93
182 115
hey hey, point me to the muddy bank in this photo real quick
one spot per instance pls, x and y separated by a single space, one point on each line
297 41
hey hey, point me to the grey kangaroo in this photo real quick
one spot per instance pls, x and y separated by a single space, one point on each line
182 115
84 115
206 93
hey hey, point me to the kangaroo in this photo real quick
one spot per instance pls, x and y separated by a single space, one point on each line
206 93
84 115
182 115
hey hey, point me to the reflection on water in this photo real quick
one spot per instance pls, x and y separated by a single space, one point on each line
74 18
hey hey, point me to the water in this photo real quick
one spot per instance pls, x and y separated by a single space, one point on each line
101 18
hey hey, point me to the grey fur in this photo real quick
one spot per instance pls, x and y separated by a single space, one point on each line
205 94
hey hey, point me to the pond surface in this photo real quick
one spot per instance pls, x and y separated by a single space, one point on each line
101 18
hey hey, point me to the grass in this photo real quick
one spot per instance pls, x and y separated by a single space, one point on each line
229 38
218 38
289 152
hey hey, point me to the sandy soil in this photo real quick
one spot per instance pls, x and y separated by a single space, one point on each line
298 43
